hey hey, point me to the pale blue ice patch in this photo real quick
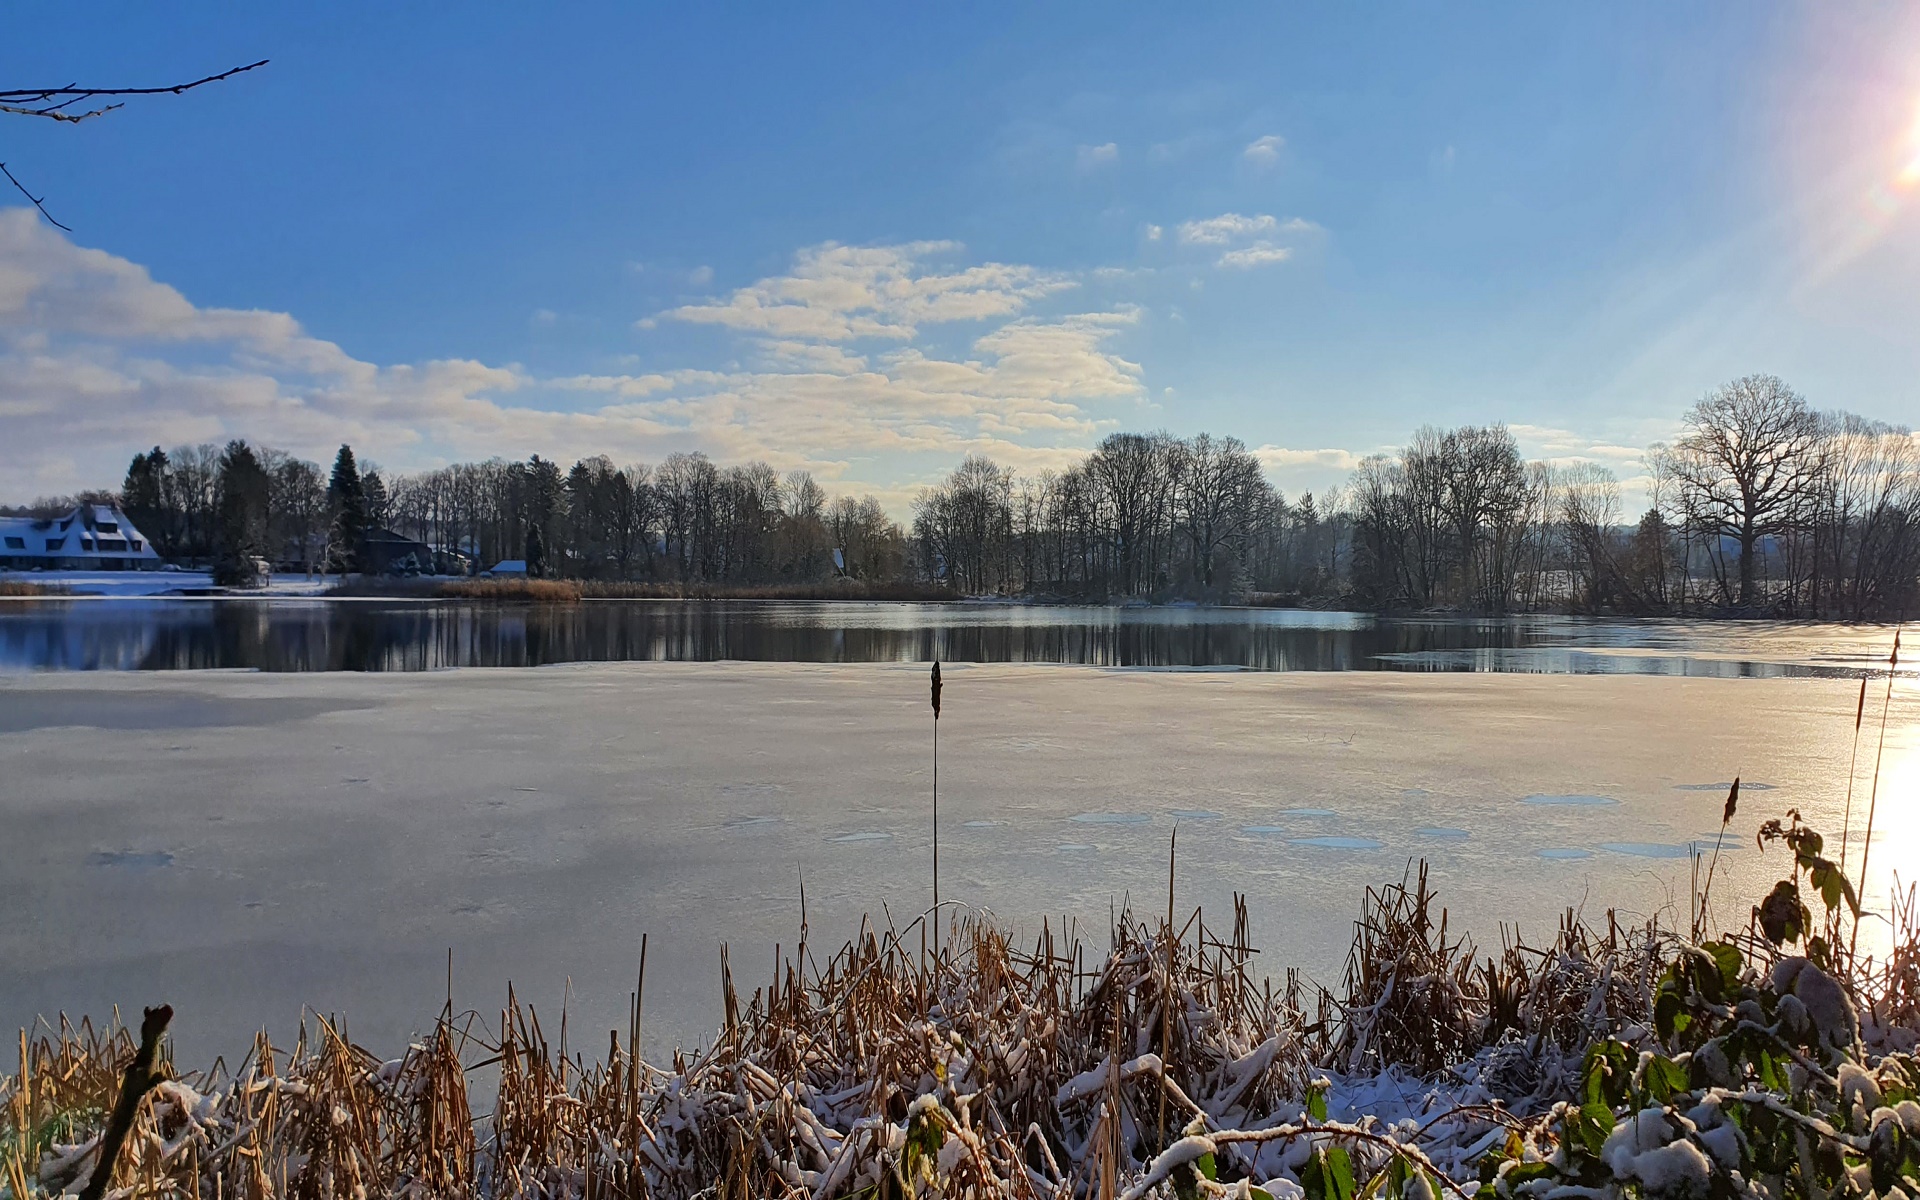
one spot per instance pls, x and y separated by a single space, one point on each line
1649 849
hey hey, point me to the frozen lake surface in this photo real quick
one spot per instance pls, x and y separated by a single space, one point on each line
292 634
242 843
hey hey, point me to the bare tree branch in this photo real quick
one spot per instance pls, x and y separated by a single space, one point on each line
52 102
36 200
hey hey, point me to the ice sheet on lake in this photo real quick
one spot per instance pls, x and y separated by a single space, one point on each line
539 821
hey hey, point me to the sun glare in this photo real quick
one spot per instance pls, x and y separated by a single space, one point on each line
1909 176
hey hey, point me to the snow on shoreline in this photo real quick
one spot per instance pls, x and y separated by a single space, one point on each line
127 585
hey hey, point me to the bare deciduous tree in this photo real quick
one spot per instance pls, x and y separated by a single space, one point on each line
1745 469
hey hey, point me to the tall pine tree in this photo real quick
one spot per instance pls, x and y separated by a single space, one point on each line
144 499
240 519
347 501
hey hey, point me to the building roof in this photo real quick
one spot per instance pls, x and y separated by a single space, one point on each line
90 533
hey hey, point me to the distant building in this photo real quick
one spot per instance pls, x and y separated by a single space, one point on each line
93 537
511 566
384 552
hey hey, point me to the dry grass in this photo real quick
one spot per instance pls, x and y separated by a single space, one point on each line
536 591
1010 1071
1034 1071
23 587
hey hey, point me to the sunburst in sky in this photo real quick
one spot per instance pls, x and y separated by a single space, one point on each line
1316 230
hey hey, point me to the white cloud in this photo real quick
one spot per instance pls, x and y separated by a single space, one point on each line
543 317
1566 446
1255 231
1278 457
700 276
1264 151
837 293
99 361
1154 232
1260 254
1090 157
1225 228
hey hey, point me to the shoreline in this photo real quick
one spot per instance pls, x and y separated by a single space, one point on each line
478 589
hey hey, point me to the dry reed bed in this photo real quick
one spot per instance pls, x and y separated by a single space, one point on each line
979 1068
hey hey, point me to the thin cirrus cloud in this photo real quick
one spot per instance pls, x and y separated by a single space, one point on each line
1259 254
1264 151
99 360
1247 241
1090 157
1225 228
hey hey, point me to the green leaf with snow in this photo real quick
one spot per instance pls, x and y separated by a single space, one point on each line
1661 1078
1727 957
1592 1122
1328 1174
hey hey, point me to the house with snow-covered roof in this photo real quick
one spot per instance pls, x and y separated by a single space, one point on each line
93 537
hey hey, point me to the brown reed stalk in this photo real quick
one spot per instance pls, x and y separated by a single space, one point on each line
1853 770
139 1079
936 806
1873 795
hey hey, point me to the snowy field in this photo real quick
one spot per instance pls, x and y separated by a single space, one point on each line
239 844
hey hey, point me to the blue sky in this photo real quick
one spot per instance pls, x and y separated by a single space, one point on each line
867 240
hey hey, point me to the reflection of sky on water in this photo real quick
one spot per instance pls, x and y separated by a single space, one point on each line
319 635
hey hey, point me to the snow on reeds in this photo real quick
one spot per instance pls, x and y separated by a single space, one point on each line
982 1068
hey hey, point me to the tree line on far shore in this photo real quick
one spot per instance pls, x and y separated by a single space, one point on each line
1763 504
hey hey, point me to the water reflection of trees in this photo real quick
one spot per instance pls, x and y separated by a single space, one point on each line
354 636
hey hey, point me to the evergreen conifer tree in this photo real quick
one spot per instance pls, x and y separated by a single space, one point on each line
240 518
347 500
